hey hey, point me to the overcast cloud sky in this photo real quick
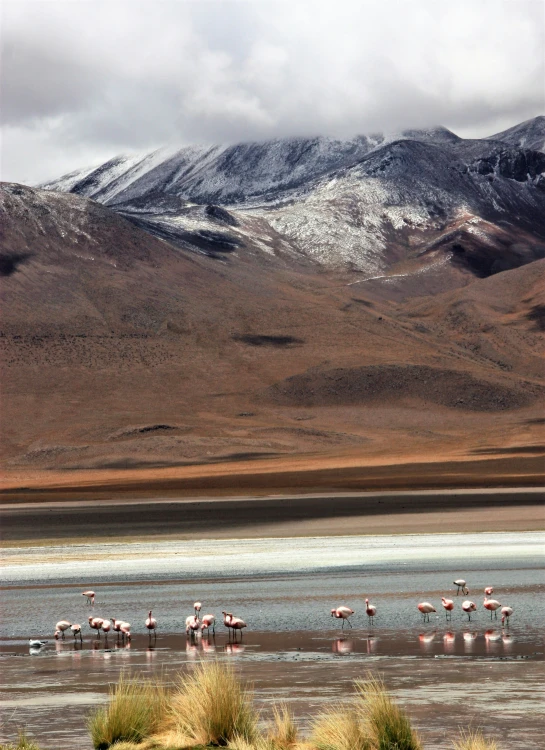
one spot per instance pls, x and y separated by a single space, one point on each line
83 81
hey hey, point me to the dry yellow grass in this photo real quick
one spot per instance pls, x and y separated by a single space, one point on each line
385 724
135 711
474 740
22 743
210 707
339 728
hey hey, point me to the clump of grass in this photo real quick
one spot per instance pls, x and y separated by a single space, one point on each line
23 743
385 723
339 728
210 707
283 734
474 741
135 711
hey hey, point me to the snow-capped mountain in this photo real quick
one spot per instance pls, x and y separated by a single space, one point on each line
529 134
385 205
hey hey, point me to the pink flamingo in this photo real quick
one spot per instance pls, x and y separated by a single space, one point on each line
208 621
448 604
90 597
151 624
125 630
370 610
61 626
227 617
426 608
491 605
343 613
106 627
192 624
506 613
96 624
76 630
489 590
237 624
116 625
461 584
198 607
468 608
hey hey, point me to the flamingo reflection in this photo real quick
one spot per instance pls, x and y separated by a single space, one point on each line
426 639
491 638
469 637
234 648
448 641
372 643
342 646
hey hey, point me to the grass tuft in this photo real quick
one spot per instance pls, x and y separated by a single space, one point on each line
283 735
135 711
384 722
211 707
474 741
339 728
23 743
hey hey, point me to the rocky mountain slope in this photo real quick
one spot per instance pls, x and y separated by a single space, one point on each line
424 211
121 348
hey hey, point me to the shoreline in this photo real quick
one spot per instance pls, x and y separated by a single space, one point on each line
296 516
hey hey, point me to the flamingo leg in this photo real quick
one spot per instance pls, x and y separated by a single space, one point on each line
348 621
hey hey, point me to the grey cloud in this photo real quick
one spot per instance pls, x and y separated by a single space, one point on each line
82 80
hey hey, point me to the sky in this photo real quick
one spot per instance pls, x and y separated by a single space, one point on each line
83 81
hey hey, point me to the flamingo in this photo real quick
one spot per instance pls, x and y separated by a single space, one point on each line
461 586
227 617
76 630
96 624
198 607
491 605
208 621
370 610
506 613
426 608
192 624
448 604
468 608
343 613
151 624
125 630
237 624
90 597
106 627
61 626
116 625
489 590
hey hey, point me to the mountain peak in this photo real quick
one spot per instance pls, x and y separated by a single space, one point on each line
528 134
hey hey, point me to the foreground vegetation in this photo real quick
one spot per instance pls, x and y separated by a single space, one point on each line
211 708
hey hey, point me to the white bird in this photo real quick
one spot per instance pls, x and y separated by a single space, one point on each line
468 608
506 613
461 584
33 643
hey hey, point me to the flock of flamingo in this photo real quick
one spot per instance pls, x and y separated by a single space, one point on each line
425 608
196 625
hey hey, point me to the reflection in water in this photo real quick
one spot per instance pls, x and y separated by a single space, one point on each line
492 638
207 646
234 648
507 640
469 638
342 646
372 643
448 642
426 639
